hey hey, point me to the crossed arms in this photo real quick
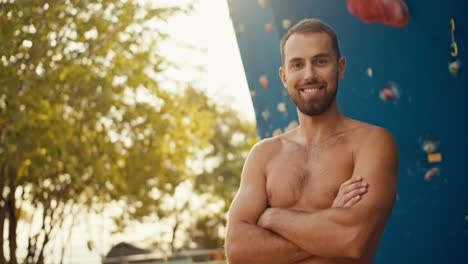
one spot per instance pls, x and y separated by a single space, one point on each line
257 234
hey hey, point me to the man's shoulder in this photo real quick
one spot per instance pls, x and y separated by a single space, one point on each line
267 145
262 152
367 132
275 143
371 137
376 135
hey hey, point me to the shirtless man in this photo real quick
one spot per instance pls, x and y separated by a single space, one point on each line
300 198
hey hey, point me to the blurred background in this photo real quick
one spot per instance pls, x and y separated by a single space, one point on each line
124 124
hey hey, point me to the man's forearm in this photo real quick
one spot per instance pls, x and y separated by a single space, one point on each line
323 233
248 243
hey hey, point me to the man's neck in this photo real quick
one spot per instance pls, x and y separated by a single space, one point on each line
316 129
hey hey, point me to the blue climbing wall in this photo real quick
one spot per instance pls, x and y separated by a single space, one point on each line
429 223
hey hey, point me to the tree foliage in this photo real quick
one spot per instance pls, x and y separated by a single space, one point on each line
83 119
224 158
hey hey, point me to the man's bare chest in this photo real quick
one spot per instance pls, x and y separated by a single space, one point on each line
307 179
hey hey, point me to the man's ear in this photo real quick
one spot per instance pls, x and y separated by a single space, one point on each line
341 67
282 75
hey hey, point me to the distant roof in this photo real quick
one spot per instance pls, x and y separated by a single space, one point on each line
124 249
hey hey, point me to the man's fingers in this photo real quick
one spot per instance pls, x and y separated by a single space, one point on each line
349 196
350 181
354 186
349 190
352 201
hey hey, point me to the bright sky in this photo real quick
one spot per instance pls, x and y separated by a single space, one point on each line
208 28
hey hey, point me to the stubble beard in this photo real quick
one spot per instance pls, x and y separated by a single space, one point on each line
315 106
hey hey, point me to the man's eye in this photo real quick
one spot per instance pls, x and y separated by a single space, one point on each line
322 62
296 65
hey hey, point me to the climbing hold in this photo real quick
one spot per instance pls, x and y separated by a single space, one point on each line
286 23
268 27
454 67
434 171
370 72
264 81
389 91
388 12
282 107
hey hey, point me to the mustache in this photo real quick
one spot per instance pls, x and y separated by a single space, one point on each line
312 82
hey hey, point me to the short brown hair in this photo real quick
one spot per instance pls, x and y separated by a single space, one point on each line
310 25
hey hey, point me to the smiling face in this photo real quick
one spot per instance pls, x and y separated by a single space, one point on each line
311 71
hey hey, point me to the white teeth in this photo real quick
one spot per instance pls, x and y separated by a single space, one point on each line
310 90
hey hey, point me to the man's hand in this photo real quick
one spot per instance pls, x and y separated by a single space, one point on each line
350 193
263 220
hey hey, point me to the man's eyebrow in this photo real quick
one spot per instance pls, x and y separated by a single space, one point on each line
319 55
295 59
324 54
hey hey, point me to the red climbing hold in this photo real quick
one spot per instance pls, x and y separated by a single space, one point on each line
388 12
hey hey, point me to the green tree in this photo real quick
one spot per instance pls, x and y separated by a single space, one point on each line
83 119
214 175
224 157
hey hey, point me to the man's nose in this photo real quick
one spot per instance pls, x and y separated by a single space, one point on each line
310 73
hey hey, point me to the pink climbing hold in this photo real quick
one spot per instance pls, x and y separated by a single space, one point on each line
434 171
263 80
388 12
389 92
